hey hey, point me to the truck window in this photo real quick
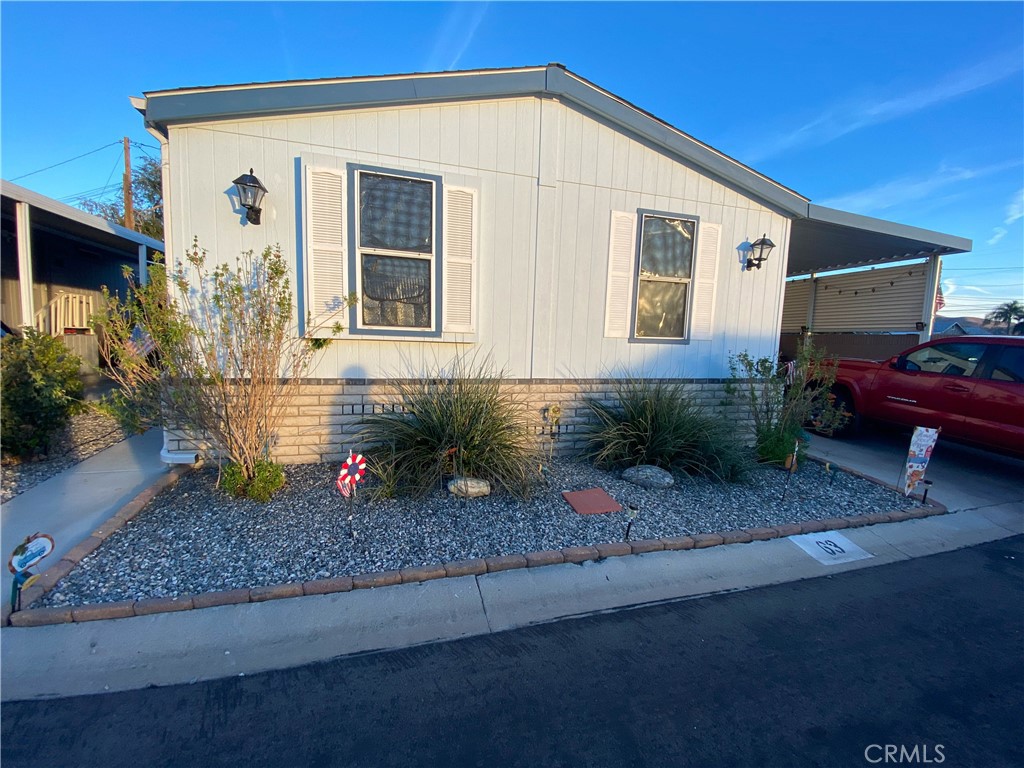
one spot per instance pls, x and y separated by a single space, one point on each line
955 358
1009 366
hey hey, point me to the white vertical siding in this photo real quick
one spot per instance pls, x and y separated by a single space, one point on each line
548 178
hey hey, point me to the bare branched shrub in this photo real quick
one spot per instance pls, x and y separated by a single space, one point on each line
211 351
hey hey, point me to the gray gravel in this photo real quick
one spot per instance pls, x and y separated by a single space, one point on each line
86 435
194 539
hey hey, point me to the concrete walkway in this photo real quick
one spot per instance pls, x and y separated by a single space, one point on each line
170 648
71 505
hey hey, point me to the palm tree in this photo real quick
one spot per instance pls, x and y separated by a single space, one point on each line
1009 313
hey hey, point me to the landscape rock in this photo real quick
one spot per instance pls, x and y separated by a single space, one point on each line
469 487
648 476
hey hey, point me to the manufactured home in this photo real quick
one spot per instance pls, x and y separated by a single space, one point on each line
523 214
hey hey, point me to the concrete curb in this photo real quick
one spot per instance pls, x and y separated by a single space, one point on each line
34 617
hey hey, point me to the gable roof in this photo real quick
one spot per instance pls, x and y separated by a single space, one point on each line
225 102
822 238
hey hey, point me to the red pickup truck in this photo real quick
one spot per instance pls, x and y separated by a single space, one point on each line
971 386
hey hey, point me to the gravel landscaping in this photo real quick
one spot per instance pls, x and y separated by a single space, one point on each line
86 435
192 538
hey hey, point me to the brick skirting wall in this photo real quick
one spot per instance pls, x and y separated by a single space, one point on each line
324 419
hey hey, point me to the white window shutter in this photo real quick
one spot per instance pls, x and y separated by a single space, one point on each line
326 262
621 268
705 280
460 259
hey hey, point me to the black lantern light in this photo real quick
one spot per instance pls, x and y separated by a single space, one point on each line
759 250
250 195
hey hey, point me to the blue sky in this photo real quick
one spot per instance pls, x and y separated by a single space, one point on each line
912 112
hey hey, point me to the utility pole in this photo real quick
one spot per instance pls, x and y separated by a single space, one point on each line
129 211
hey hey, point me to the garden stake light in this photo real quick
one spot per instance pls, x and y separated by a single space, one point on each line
792 468
634 510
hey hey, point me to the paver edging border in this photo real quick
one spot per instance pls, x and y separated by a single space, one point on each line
33 617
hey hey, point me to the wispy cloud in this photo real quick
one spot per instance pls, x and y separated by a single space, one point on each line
897 192
456 35
853 114
1014 212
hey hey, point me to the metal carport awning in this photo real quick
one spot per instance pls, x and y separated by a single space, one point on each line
828 239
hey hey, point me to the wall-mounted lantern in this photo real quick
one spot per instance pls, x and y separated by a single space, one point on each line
759 250
250 195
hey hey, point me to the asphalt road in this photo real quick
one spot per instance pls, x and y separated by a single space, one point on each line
925 654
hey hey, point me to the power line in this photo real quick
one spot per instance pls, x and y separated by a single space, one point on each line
63 162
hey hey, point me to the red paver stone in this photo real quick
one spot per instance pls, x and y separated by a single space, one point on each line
789 529
856 521
327 586
422 573
593 501
225 597
702 540
678 543
579 554
614 549
736 537
899 516
38 617
547 557
122 609
48 580
643 546
275 592
876 517
505 563
371 580
835 523
931 511
162 605
466 567
812 526
762 534
78 552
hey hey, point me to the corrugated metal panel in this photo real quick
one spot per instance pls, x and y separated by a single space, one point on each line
874 300
794 307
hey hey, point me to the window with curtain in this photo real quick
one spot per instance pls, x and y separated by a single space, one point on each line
666 269
396 250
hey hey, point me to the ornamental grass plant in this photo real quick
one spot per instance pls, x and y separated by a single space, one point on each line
656 422
454 423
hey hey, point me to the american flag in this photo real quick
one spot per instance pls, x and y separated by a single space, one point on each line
140 343
940 300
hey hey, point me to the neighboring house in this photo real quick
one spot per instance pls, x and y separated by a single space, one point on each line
523 214
55 258
965 326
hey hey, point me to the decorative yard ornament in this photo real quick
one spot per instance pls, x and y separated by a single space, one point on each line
791 466
922 443
353 470
33 549
250 195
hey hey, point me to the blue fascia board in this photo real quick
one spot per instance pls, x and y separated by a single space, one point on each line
227 103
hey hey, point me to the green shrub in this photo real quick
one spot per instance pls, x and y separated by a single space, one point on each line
41 389
656 422
267 479
461 424
780 407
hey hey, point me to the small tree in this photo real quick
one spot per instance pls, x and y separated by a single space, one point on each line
147 201
211 351
783 399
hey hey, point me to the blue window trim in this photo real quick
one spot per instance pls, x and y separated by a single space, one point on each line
633 338
353 249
